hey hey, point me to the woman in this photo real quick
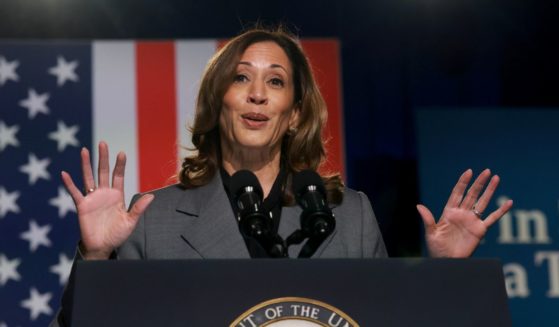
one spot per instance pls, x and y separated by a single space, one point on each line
260 109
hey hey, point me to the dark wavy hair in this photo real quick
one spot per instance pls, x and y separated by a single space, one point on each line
302 148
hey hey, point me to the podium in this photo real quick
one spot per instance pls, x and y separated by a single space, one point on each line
288 292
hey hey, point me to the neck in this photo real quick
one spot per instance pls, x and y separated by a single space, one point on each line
264 164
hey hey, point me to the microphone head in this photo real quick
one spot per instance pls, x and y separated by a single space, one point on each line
306 178
243 179
317 220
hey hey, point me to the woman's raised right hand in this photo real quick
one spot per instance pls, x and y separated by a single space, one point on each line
104 220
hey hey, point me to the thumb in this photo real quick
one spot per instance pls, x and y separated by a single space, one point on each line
426 216
140 206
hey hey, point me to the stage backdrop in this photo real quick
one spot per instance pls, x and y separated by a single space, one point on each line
56 97
521 147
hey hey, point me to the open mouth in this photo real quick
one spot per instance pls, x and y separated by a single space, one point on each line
254 120
256 117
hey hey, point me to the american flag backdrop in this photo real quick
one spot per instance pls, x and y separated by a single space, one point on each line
56 97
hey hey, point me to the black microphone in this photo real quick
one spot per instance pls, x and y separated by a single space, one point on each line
317 220
254 221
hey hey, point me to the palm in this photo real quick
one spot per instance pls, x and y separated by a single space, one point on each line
104 222
459 230
457 226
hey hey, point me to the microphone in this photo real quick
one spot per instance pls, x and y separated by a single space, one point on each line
254 220
247 192
317 220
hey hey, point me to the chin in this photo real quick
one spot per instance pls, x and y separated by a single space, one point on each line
254 143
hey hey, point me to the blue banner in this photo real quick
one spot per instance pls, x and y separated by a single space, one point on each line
519 145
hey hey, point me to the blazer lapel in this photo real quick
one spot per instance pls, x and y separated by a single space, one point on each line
210 226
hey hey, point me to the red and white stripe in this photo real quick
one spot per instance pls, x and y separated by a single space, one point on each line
144 95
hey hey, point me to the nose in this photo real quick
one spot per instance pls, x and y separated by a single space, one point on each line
257 94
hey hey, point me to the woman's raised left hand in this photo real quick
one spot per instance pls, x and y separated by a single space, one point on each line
462 226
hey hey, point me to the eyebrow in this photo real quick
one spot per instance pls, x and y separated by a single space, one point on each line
271 66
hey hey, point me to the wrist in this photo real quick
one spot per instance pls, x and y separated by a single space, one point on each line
92 254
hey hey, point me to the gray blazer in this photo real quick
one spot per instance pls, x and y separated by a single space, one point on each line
199 223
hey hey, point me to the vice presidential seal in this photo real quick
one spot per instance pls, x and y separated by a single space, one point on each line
293 312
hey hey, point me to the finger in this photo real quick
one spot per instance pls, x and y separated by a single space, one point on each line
118 172
87 172
103 170
483 201
140 206
75 193
458 190
427 217
474 191
497 214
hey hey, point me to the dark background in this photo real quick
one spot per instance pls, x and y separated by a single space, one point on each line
397 55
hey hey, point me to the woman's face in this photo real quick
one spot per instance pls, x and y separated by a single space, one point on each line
258 106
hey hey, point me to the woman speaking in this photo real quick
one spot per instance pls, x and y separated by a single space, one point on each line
258 109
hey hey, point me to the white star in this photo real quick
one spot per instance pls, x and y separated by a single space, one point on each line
3 324
36 236
65 136
37 303
8 202
36 168
64 202
64 71
8 70
62 269
8 136
35 103
8 269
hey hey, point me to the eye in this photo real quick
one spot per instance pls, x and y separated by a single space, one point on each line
277 82
240 78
